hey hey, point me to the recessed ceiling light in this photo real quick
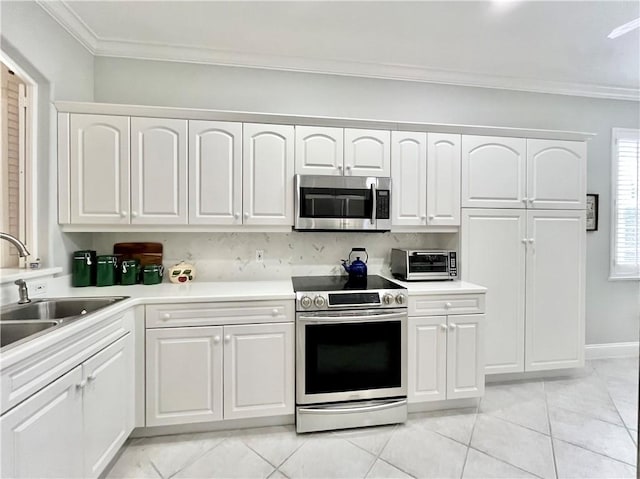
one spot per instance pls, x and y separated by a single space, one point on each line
626 28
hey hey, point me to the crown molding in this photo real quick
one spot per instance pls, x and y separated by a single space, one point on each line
71 22
64 15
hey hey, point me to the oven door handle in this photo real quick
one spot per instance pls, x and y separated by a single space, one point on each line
333 318
366 407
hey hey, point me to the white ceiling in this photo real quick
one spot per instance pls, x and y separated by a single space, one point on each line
559 47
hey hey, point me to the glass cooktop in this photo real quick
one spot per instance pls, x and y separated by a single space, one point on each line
341 283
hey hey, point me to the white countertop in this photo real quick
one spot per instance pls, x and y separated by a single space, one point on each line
439 287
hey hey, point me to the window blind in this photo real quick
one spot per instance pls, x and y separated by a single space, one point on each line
626 204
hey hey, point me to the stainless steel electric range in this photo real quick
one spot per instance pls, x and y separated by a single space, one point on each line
351 352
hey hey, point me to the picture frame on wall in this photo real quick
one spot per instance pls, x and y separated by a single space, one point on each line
592 212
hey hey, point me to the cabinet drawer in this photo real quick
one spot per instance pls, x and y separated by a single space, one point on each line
211 314
446 304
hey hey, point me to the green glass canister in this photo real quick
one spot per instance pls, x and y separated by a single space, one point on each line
129 271
83 268
107 270
152 273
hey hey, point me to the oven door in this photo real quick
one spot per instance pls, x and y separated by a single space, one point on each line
350 355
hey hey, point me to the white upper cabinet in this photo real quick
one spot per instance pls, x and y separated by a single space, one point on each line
215 172
267 174
556 174
158 171
98 169
367 152
443 179
409 178
493 172
555 298
319 150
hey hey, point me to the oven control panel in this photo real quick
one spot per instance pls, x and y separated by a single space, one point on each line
323 300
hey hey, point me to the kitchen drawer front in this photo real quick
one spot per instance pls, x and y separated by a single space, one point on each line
212 314
23 379
430 305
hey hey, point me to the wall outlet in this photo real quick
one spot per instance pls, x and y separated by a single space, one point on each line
38 288
259 256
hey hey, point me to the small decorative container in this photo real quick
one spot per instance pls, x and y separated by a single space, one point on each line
83 268
129 271
107 270
182 273
152 274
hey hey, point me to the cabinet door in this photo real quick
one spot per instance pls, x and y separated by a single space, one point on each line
555 289
258 370
267 174
465 356
493 172
99 169
158 171
367 152
42 436
215 173
493 254
108 404
319 151
184 375
556 174
443 179
427 360
409 178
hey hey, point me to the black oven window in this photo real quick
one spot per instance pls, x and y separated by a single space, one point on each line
335 203
352 356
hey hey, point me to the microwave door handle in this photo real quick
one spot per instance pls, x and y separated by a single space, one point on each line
373 206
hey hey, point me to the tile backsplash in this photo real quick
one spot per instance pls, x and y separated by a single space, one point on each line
232 256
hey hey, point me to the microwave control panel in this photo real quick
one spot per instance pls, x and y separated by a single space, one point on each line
453 264
382 204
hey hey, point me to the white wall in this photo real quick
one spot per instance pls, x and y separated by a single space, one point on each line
613 308
63 70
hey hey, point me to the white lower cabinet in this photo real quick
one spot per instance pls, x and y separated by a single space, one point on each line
234 371
74 426
446 356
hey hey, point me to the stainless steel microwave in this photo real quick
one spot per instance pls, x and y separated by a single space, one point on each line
423 265
348 203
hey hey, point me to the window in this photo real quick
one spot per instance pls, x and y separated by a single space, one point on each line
17 170
625 234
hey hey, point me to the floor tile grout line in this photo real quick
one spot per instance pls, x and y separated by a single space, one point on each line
612 401
553 449
153 466
195 458
377 456
473 428
594 452
504 462
398 468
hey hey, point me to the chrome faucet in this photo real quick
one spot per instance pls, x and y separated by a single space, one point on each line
22 249
23 252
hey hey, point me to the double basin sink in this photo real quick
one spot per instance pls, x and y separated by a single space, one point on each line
21 321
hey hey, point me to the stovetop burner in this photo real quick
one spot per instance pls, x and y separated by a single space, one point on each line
341 283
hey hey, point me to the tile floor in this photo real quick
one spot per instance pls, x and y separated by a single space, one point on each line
578 427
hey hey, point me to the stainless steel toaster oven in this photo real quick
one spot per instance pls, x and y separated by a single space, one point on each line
424 265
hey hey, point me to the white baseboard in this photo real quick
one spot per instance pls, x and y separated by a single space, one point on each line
611 350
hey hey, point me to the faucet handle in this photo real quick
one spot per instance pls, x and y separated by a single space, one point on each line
19 282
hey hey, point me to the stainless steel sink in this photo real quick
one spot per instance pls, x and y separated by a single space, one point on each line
21 321
13 331
57 308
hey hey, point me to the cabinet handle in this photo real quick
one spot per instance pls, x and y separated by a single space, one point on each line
340 167
524 200
123 214
443 327
236 216
531 240
246 215
166 316
431 217
447 305
91 377
524 240
531 200
227 338
216 340
423 217
81 385
274 312
348 167
452 326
